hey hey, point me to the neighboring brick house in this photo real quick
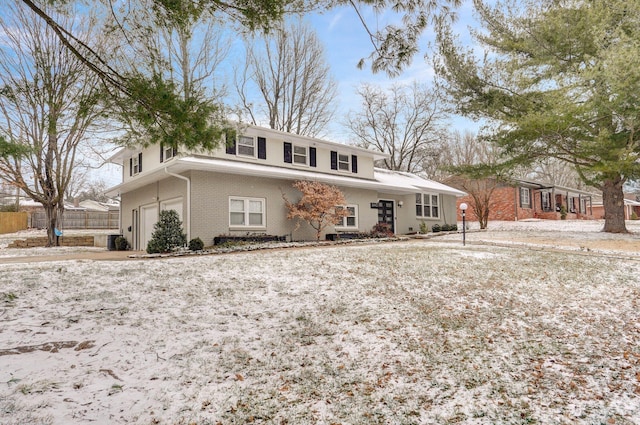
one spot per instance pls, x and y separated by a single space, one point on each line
522 199
631 206
238 189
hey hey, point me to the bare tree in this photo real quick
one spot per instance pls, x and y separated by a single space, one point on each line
554 171
48 105
293 79
406 122
470 164
321 205
185 54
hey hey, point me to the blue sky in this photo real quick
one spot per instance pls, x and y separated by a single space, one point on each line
346 41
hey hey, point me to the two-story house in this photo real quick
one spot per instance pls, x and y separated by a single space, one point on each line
238 188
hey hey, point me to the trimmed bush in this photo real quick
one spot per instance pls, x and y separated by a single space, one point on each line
121 243
196 244
167 234
381 230
435 228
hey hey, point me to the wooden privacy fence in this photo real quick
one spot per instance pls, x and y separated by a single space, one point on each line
11 222
79 220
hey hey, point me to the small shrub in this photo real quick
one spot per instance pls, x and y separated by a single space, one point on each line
634 216
381 230
121 243
435 228
424 229
196 244
563 212
167 234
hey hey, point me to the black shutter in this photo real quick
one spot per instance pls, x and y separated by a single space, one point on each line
262 148
174 152
288 158
312 157
354 164
140 162
161 152
130 167
231 143
334 160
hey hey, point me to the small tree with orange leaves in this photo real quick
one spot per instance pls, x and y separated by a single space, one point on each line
317 205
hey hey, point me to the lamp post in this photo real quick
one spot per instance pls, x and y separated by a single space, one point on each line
463 208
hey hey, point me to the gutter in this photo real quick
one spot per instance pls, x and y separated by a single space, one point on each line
188 180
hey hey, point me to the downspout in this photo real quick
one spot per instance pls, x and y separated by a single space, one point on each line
188 180
516 192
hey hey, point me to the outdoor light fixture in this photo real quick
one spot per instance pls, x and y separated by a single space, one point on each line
400 204
463 208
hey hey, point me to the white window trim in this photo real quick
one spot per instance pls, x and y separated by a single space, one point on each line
430 206
293 155
168 153
344 225
348 162
246 213
255 146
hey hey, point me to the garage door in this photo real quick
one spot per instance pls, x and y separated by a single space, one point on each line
174 204
148 218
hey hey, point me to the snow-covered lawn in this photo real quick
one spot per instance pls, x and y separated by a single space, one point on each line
414 332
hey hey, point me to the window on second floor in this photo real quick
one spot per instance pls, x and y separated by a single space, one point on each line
300 155
246 146
167 152
343 162
135 164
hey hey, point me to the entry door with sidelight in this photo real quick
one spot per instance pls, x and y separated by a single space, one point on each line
385 214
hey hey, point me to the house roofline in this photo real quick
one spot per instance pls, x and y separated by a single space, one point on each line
403 185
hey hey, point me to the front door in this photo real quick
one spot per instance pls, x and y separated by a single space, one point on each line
385 214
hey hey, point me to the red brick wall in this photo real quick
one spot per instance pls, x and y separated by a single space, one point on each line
502 205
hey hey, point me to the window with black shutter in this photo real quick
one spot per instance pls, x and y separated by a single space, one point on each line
312 157
288 156
230 141
262 148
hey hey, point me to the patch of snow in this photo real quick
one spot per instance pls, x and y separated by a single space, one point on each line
423 331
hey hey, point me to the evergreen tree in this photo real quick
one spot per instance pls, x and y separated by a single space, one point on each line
167 233
559 79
